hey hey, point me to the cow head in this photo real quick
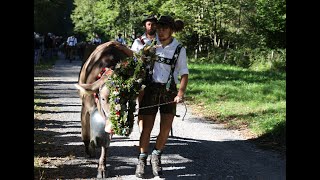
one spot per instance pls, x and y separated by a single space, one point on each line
102 95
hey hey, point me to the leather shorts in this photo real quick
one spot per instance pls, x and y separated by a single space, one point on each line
156 94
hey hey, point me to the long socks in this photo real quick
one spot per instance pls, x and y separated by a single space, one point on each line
156 152
143 155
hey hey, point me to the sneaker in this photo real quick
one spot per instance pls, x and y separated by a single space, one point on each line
155 162
140 168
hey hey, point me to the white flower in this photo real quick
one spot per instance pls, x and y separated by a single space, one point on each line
139 80
115 93
117 107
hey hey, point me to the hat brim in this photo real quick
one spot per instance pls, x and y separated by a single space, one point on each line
150 19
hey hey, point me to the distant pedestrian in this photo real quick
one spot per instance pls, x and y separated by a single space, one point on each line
71 47
96 40
120 39
37 48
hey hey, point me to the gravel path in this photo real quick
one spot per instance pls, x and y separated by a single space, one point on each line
198 149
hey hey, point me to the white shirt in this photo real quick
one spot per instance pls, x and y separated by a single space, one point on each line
72 41
121 40
161 71
137 44
96 40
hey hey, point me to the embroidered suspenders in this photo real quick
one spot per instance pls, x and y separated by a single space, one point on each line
172 62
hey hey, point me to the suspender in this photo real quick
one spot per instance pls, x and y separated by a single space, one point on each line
173 61
141 40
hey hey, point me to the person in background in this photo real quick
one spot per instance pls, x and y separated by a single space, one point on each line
96 40
149 24
120 39
71 47
37 48
171 63
48 45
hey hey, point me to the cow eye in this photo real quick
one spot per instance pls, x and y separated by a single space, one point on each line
105 100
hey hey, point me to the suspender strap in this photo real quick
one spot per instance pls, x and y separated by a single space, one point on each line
173 61
141 40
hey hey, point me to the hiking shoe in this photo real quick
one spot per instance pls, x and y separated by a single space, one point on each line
140 168
155 162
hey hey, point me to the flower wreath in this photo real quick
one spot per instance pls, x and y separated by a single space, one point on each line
124 84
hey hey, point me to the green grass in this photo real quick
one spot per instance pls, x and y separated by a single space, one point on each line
240 97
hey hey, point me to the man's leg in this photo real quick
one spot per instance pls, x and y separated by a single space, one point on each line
144 143
165 127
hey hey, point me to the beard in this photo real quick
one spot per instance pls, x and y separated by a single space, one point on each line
151 32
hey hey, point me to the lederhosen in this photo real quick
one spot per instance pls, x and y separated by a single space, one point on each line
161 93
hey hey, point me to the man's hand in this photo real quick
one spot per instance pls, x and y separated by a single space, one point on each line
178 99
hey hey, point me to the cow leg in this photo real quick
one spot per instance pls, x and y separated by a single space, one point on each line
102 169
85 129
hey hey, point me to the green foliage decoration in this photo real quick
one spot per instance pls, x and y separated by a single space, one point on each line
124 84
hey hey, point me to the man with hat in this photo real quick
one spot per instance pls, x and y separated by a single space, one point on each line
149 23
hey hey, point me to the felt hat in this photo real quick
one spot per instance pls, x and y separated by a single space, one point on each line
166 21
150 18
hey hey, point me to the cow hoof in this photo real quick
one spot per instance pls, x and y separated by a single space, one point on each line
102 174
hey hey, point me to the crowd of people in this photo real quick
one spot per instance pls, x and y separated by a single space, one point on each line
48 45
45 46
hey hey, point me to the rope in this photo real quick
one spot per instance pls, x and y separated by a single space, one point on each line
145 107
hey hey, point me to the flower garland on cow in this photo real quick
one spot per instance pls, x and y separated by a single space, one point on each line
125 83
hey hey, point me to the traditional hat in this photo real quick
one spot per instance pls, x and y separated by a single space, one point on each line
166 21
150 18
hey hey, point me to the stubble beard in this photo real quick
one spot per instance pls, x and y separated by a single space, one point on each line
151 32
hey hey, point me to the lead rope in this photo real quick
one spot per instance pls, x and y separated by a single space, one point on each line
185 106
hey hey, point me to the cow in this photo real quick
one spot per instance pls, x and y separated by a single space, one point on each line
95 109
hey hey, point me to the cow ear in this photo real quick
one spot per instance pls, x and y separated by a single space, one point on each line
91 88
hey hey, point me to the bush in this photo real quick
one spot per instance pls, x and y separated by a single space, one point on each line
256 59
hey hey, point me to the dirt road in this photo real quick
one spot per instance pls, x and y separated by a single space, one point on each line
198 149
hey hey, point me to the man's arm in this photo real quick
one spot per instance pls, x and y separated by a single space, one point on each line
182 89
